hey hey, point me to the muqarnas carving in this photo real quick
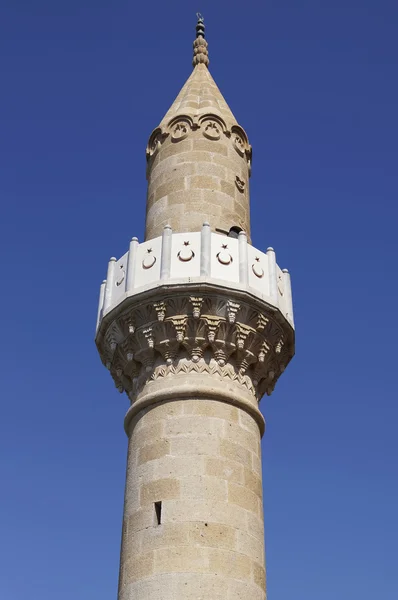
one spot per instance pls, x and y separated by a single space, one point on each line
207 334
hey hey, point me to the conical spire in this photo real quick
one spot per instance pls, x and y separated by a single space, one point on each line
199 94
199 158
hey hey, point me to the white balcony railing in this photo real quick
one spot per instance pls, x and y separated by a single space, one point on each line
181 258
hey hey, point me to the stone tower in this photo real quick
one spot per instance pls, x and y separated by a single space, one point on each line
195 324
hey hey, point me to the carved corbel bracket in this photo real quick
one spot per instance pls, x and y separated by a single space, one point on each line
209 334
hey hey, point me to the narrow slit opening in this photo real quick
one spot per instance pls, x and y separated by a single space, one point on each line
158 512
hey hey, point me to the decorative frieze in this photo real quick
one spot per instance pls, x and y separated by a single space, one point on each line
208 334
212 126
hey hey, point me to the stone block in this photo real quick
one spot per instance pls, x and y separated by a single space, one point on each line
185 197
204 586
179 466
210 146
153 451
235 452
256 463
242 590
211 409
173 148
240 495
201 207
259 576
225 469
195 157
174 185
159 587
247 422
193 425
233 162
131 495
159 490
203 488
240 211
245 438
253 482
132 542
182 559
203 182
227 188
193 103
176 169
214 535
208 511
230 564
163 167
138 566
250 546
165 410
156 209
255 526
221 199
148 432
140 519
208 168
166 535
197 445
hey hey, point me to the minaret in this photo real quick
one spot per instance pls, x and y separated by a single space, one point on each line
195 324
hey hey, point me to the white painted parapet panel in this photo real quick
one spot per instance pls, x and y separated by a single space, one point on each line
185 255
199 257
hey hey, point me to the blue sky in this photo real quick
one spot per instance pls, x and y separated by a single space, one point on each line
315 86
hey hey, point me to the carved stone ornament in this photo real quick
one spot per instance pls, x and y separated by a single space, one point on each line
212 126
186 253
223 256
240 184
154 143
120 276
239 140
180 128
257 268
200 52
149 259
211 130
234 342
281 287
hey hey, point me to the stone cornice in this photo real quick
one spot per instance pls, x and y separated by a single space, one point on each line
202 332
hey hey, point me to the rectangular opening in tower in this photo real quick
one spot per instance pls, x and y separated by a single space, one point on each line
158 512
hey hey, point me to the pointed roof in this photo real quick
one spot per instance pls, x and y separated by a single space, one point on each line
200 94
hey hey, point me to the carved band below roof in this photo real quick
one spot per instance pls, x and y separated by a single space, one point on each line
240 141
155 141
208 334
212 126
180 127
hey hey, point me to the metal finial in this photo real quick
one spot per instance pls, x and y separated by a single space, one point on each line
200 26
200 53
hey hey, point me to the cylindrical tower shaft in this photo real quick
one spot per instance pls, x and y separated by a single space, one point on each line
193 523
